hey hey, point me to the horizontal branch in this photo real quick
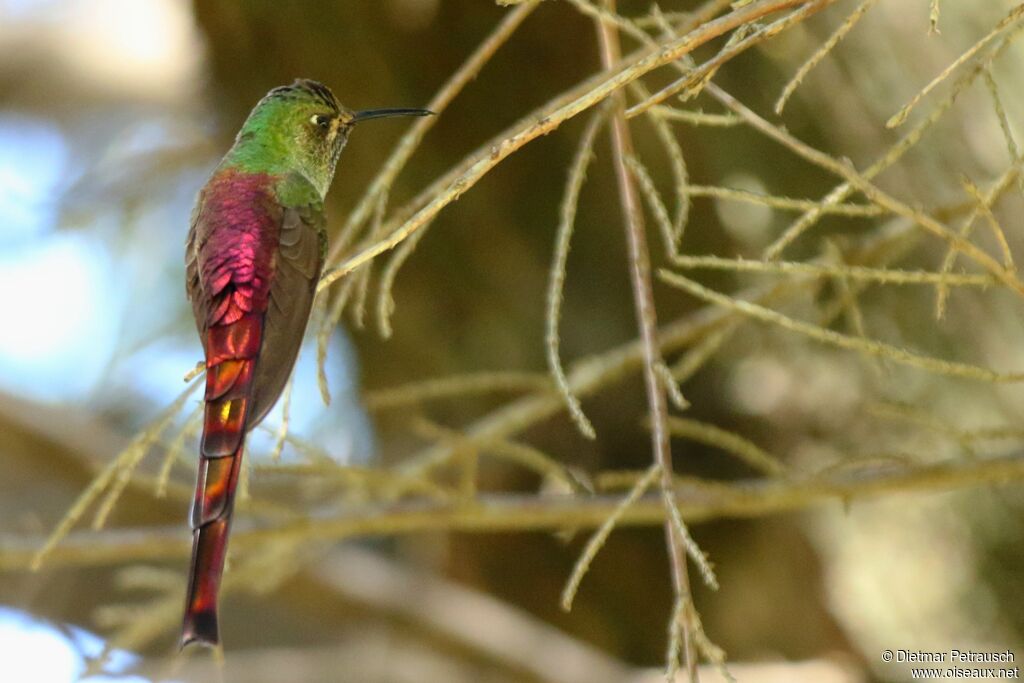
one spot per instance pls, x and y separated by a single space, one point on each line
506 512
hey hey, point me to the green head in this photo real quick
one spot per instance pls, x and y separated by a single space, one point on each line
300 128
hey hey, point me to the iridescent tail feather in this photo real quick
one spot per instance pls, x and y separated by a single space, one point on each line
231 351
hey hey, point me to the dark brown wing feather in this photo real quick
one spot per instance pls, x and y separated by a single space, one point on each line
300 261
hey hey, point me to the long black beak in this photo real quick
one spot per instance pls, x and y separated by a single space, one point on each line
367 114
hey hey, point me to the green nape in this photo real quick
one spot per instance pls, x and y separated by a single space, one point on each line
266 143
279 136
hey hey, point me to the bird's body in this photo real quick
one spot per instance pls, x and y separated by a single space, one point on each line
255 251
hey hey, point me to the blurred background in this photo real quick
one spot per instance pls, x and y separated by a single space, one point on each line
112 114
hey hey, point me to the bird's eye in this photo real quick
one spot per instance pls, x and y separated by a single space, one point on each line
321 121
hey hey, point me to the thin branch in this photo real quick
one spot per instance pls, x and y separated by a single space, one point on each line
784 203
883 276
1000 110
894 153
1009 177
698 118
556 280
1007 21
113 479
705 71
730 442
821 52
508 512
599 538
873 192
986 210
647 322
454 386
867 346
411 140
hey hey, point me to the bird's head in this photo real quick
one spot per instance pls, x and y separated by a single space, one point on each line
304 127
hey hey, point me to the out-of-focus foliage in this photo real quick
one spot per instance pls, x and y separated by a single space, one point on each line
841 311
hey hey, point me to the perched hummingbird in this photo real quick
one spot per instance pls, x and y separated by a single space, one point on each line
255 251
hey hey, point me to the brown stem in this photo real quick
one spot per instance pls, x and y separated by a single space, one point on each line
647 322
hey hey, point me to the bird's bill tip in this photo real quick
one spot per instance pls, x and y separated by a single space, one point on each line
367 114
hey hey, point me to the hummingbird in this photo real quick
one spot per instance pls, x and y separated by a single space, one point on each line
254 254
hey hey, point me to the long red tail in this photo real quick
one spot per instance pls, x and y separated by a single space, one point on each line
231 351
